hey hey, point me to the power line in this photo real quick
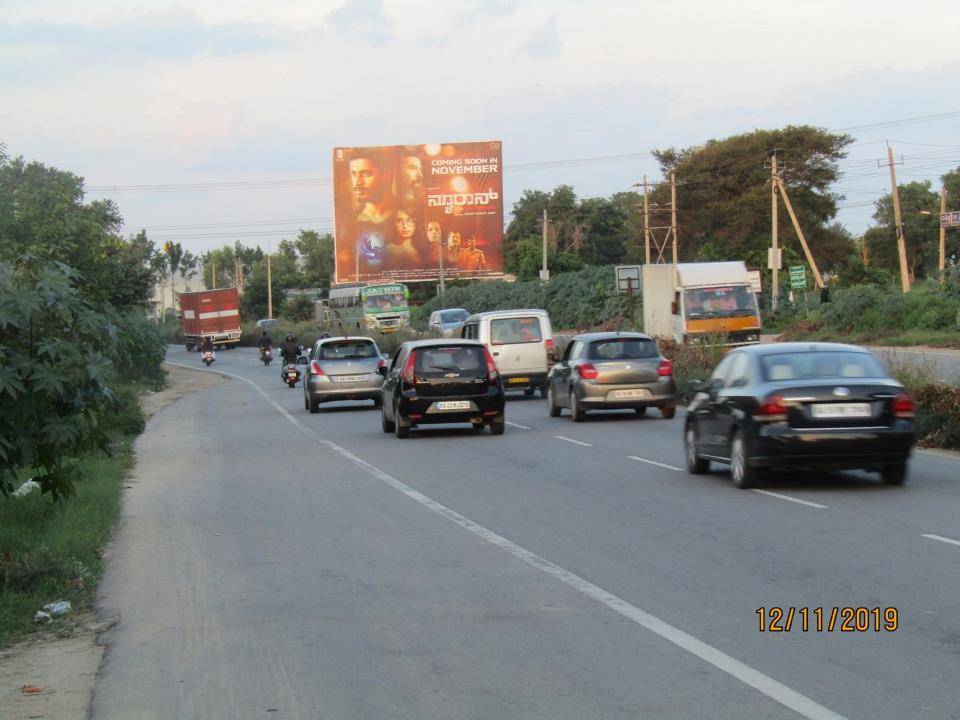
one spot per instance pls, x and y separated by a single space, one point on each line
904 121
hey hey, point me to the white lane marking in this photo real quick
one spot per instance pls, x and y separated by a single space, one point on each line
791 499
517 425
943 539
764 684
571 440
654 462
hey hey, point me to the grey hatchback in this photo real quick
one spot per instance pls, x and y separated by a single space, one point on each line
611 371
343 368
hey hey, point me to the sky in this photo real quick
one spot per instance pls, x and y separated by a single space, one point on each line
148 99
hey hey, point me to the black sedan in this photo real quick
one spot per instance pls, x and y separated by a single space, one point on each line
438 381
821 405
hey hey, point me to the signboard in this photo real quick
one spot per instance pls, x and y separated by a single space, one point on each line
755 280
397 207
798 277
950 219
628 278
774 262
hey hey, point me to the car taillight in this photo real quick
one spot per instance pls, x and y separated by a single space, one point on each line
772 409
587 371
408 374
491 365
315 368
381 364
549 343
903 406
665 368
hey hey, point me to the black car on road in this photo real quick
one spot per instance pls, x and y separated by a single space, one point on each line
823 405
442 381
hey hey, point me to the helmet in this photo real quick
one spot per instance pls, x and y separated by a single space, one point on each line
324 335
264 332
290 336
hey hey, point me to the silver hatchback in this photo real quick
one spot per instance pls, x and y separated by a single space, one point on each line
343 368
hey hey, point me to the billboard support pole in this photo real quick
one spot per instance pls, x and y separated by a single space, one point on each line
942 264
440 253
673 213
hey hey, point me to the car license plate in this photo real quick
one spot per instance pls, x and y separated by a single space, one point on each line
348 378
518 381
630 393
452 405
840 410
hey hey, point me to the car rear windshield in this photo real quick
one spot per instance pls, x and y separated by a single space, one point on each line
451 316
817 364
445 361
508 331
352 350
622 349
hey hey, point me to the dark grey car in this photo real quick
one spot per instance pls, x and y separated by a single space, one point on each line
611 371
343 368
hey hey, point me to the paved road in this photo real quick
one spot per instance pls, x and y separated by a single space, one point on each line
278 564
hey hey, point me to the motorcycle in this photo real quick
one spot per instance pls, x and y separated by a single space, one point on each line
291 370
266 356
208 357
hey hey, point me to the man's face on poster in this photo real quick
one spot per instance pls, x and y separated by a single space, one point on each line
471 242
454 240
411 174
366 178
433 232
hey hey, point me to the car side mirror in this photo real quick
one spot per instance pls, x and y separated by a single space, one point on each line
696 386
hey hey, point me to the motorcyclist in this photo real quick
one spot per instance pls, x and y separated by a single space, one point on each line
206 345
290 350
264 343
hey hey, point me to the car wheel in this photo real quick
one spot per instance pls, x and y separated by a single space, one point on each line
477 426
498 425
314 406
743 475
552 403
386 424
400 430
696 465
378 402
529 392
667 412
576 412
894 474
641 410
306 403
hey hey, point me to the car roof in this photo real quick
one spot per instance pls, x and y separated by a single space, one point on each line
343 338
440 342
508 313
797 347
591 337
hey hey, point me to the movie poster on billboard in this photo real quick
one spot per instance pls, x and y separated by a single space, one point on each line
398 207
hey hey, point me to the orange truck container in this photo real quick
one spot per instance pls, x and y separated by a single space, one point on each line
210 313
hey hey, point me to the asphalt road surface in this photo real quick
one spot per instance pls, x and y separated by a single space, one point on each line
277 564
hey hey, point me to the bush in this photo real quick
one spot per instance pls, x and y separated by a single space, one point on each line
937 419
692 360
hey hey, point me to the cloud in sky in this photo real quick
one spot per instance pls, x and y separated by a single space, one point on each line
144 91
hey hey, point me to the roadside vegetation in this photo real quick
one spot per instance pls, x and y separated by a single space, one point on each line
76 350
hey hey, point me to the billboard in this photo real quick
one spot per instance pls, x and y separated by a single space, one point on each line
399 210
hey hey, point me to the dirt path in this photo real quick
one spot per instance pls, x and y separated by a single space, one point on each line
63 671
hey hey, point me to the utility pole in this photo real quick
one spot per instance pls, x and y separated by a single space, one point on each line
269 290
545 273
942 264
646 222
901 241
863 250
213 274
673 213
774 230
800 235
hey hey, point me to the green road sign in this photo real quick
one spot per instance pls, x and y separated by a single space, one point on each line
798 277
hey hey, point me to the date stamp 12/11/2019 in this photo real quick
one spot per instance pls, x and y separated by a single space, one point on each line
827 619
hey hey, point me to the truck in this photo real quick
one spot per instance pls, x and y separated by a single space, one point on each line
210 313
684 301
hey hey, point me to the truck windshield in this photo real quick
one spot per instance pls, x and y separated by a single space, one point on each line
719 301
388 302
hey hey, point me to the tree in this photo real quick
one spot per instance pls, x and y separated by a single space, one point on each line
188 268
316 253
528 259
723 192
43 215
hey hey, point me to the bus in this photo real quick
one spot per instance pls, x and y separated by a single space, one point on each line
382 307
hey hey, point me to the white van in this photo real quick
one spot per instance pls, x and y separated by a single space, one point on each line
521 342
